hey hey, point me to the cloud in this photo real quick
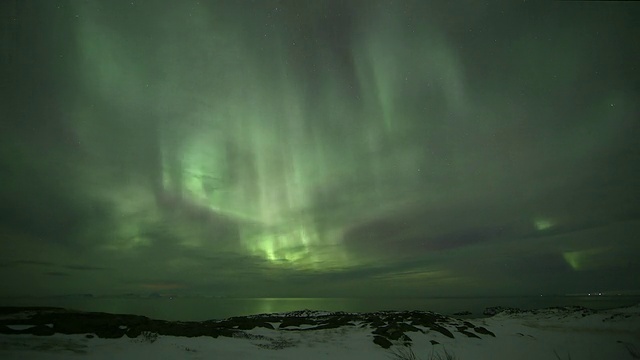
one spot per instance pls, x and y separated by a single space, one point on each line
83 267
36 263
162 286
56 273
222 155
32 262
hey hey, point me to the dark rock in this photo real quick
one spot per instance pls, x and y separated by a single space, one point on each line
409 327
394 334
6 310
334 323
491 311
42 330
382 341
134 331
245 323
442 330
391 331
296 321
463 330
462 313
433 342
482 330
110 332
7 330
425 318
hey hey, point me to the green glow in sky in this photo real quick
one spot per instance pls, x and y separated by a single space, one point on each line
574 259
325 149
543 224
254 153
583 259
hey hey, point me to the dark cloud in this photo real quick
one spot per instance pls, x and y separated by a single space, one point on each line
52 265
83 267
32 262
332 148
56 273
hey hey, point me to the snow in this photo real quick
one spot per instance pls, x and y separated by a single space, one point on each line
542 334
20 327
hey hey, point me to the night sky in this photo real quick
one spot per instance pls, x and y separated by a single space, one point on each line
319 148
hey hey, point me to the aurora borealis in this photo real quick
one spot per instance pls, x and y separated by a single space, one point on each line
319 148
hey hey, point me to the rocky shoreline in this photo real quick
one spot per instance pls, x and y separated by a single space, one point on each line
387 327
578 332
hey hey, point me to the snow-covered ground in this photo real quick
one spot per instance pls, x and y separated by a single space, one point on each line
563 333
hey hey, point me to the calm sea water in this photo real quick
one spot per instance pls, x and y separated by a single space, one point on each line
201 308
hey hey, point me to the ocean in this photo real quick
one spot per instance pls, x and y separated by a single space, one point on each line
204 308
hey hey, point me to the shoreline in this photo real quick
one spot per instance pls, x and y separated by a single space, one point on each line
550 333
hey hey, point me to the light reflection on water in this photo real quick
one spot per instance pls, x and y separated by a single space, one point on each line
202 308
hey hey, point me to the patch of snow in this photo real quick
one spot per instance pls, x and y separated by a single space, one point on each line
20 327
301 327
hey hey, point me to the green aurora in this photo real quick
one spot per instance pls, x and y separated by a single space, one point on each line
320 148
